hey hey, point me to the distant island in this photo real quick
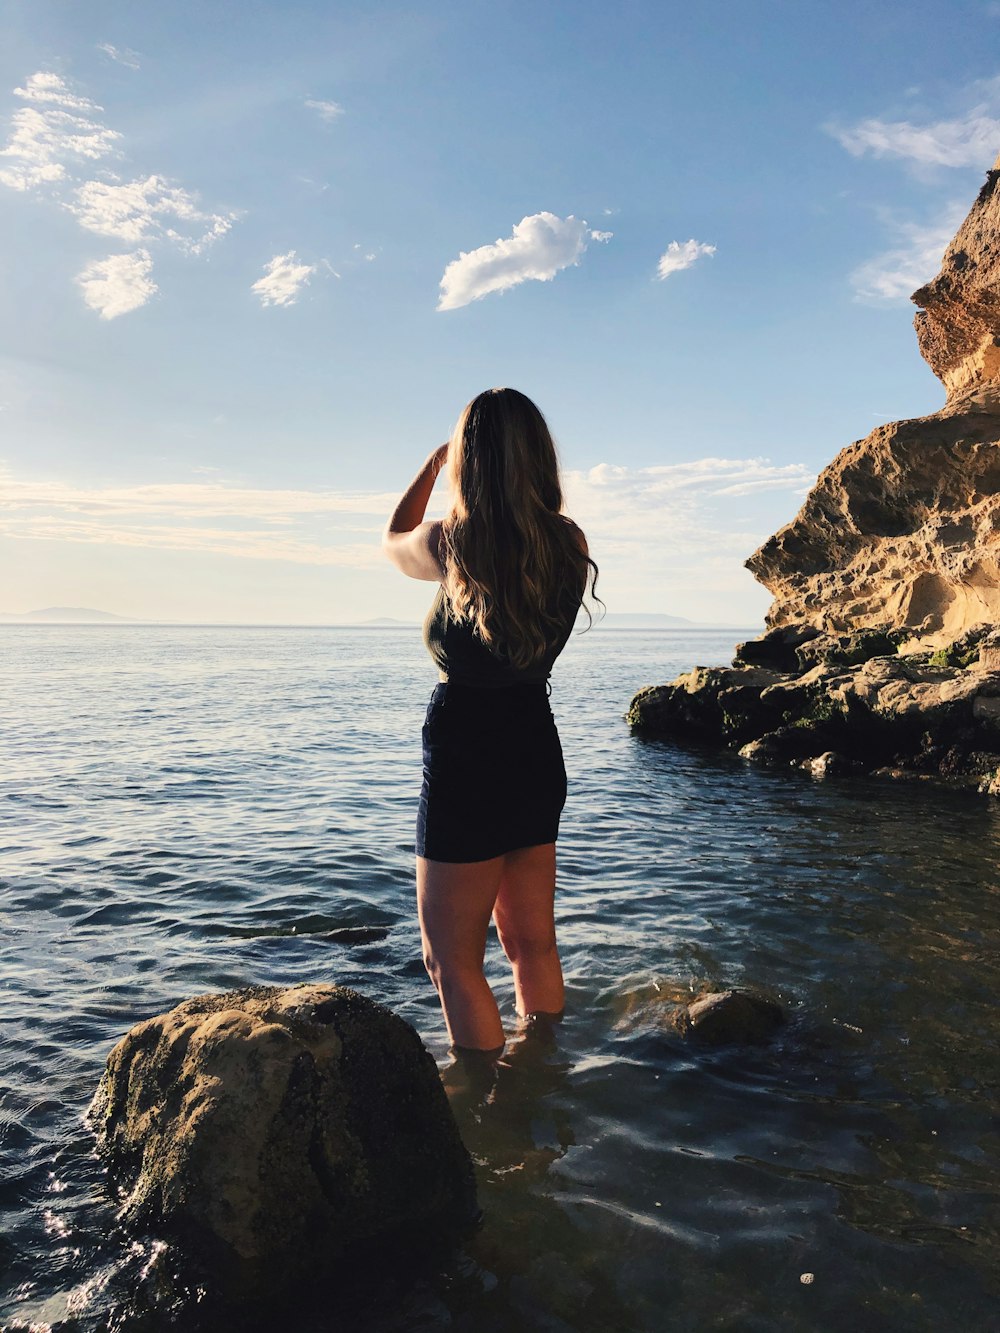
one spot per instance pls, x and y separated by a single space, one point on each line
65 615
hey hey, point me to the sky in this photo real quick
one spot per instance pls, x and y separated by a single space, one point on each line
256 257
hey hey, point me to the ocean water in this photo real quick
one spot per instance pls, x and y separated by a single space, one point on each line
195 809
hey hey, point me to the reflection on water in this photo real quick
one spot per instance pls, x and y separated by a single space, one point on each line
192 810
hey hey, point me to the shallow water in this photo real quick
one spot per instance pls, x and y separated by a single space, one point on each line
194 809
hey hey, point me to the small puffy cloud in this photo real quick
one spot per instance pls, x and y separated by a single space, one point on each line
968 140
57 126
128 58
680 255
327 111
284 277
913 259
118 284
139 210
537 249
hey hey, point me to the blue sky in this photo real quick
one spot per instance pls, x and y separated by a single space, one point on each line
254 258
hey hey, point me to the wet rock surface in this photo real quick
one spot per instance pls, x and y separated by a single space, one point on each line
904 714
278 1133
731 1016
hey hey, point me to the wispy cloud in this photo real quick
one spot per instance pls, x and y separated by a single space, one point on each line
284 277
537 249
913 258
118 284
680 255
126 57
678 508
211 517
53 136
971 139
638 518
327 111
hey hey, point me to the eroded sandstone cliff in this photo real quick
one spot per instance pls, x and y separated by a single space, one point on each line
903 527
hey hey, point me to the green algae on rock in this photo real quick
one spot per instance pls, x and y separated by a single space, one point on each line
277 1133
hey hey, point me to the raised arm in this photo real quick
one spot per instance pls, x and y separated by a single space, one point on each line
410 543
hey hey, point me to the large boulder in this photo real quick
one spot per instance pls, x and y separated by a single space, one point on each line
902 530
277 1133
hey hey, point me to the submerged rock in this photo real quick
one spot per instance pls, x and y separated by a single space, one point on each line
731 1016
277 1133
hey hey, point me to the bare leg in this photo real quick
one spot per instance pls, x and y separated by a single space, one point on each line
524 916
454 902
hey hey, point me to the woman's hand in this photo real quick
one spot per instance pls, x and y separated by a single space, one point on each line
439 458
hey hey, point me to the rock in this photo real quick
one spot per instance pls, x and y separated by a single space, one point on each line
777 650
731 1016
989 652
694 705
958 326
831 765
883 640
903 528
278 1132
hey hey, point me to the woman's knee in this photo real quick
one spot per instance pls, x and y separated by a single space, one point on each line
444 969
522 946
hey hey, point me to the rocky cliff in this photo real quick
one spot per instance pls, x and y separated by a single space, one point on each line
882 653
903 528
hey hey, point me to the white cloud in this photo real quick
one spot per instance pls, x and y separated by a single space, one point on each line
680 255
208 517
141 210
537 249
972 141
327 111
126 57
913 259
968 140
284 277
56 127
57 131
119 284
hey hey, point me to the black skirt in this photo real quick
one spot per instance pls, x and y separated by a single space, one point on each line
494 779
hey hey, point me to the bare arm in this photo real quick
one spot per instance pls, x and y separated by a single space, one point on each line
410 543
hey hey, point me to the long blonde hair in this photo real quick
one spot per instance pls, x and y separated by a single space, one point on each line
512 560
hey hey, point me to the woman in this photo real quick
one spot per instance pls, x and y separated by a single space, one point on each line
513 571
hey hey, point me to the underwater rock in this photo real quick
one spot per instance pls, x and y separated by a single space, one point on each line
731 1016
279 1132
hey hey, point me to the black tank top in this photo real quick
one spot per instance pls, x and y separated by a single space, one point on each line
461 656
